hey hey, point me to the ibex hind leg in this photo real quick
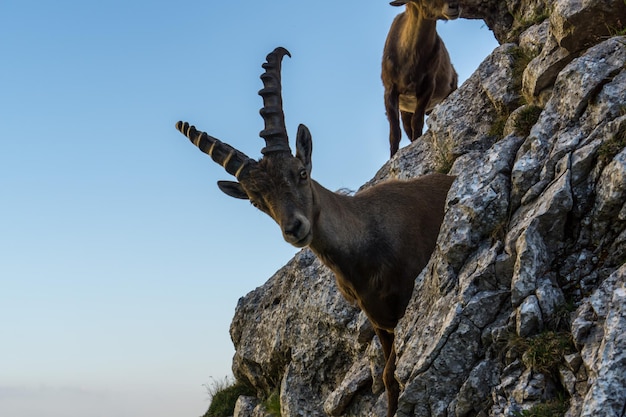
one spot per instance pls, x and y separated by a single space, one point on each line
392 388
391 384
417 123
406 123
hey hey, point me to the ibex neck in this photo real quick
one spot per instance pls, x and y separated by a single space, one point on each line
342 232
422 29
337 225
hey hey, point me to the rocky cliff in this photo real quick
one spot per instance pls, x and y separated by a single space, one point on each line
522 308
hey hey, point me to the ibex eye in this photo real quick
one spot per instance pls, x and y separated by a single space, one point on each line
303 174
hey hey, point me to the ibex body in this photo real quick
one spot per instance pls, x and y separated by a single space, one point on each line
416 71
376 242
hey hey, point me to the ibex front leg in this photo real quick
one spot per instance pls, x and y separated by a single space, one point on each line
393 115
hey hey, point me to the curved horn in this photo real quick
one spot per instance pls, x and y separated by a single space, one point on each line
233 161
275 132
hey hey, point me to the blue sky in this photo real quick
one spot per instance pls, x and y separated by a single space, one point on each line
120 261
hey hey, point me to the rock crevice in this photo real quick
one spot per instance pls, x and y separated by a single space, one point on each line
533 245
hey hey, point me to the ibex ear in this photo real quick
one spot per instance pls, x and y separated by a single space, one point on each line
304 147
398 3
233 189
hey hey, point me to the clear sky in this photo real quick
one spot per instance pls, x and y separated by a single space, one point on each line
121 262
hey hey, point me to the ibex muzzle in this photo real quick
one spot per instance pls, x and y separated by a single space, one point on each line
435 9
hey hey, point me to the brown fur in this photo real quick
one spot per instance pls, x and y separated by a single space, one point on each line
376 242
379 240
416 70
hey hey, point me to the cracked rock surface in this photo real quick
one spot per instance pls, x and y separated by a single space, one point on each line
533 243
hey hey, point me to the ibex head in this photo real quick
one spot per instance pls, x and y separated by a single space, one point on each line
278 184
434 9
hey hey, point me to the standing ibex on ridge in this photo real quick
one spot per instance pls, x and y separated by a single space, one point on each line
376 242
416 71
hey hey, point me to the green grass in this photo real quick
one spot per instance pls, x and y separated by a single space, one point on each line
272 404
613 146
551 408
497 127
618 30
524 23
526 119
542 353
529 115
224 394
537 18
443 159
560 321
521 59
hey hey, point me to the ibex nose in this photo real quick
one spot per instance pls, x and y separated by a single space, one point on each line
292 229
297 232
452 10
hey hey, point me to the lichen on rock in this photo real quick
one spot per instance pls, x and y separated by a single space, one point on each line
533 241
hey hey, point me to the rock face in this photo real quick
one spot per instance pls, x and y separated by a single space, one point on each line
530 258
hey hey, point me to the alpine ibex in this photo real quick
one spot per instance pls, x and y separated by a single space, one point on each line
417 73
376 242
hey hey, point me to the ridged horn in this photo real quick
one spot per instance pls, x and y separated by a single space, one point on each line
275 132
234 162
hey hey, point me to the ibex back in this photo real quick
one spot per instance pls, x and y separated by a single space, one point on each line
376 242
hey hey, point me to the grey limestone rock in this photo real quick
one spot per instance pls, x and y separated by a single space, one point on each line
535 227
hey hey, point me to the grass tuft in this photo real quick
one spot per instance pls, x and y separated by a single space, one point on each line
272 404
542 353
444 159
552 408
521 59
613 146
497 127
224 394
556 407
526 119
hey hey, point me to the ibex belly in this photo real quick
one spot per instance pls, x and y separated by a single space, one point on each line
408 103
